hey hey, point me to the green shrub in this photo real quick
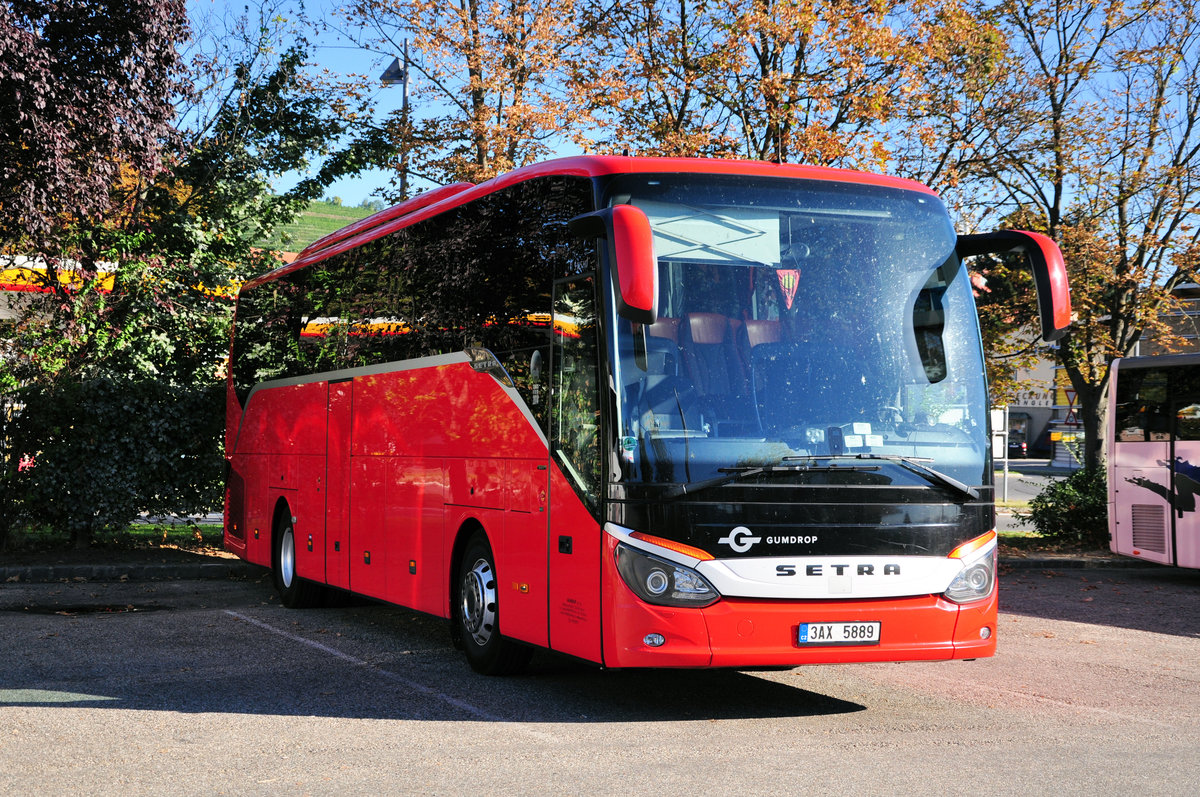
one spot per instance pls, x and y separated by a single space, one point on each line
81 458
1073 510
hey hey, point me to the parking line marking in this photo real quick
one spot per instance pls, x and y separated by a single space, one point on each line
416 686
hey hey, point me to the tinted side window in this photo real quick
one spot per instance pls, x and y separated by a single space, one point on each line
1142 412
477 275
576 433
267 331
1185 400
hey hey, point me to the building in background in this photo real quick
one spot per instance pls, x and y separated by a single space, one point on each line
1044 418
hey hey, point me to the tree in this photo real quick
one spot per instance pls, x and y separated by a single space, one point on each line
119 367
824 82
1099 147
828 82
648 75
489 89
86 88
151 282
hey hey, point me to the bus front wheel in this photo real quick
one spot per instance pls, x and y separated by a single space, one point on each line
478 614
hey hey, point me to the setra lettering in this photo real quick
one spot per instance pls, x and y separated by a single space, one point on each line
862 569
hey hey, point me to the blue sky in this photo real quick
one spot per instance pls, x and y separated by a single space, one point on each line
340 57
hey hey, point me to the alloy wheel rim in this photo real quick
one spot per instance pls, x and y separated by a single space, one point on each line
479 602
287 558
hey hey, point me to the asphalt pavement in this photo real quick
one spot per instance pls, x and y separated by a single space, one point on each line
212 687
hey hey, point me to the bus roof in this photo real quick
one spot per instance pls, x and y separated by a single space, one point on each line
435 201
1159 360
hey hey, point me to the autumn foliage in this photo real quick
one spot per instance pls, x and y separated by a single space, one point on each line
1093 137
87 85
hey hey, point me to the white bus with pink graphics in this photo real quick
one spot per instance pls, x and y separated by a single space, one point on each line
1154 459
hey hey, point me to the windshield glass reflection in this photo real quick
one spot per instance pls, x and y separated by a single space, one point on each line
795 319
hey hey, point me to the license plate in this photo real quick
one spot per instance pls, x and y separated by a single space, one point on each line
818 634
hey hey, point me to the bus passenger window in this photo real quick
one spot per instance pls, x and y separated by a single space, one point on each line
1185 398
1139 413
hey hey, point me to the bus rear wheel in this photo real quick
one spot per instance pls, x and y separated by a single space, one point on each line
478 614
294 592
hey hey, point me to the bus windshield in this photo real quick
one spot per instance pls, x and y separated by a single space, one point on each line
800 323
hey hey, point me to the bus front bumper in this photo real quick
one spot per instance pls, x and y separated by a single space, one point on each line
748 633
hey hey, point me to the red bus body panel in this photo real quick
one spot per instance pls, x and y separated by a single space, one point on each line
383 503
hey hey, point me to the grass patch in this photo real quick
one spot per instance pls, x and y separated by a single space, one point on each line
1020 537
1016 542
138 536
1030 542
319 220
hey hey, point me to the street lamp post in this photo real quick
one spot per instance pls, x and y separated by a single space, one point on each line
397 72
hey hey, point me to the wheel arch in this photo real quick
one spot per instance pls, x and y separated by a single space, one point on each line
465 531
462 536
281 510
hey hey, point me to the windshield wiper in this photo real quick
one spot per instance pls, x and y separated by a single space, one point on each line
929 474
733 474
727 475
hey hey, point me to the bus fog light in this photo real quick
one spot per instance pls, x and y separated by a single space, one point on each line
654 640
985 633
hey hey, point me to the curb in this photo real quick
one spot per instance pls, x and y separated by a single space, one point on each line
1105 563
50 574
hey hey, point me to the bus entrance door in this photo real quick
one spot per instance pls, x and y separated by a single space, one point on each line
337 484
1146 506
575 473
1184 542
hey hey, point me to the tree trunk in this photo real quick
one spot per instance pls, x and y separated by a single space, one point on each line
1091 402
81 539
1091 414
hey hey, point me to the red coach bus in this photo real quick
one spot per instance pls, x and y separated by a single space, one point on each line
643 412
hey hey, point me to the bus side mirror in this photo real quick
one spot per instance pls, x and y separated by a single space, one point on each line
1046 262
630 255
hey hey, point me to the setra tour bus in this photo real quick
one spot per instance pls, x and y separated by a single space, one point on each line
644 412
1154 458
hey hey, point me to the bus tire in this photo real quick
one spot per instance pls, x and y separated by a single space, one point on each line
477 614
294 592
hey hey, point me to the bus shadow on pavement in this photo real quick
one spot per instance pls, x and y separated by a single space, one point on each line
150 648
594 697
1159 600
681 695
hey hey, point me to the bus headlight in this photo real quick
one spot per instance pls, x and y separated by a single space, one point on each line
977 579
662 583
